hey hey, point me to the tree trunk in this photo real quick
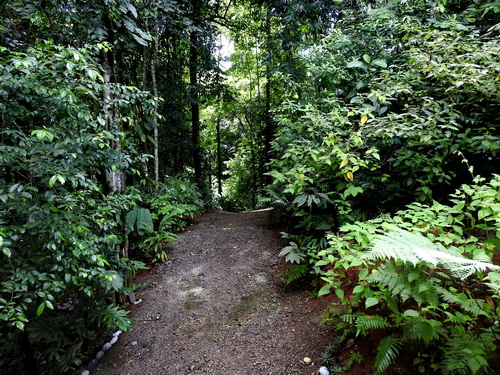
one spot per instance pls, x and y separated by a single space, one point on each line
155 90
219 158
114 177
195 106
268 130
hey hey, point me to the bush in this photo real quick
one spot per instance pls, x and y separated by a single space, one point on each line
434 290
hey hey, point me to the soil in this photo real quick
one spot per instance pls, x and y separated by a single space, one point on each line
217 307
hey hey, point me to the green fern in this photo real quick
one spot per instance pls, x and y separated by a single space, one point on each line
387 351
364 323
420 328
415 248
396 282
470 305
466 354
367 323
294 272
493 283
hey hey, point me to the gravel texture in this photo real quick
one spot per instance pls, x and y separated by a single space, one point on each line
217 307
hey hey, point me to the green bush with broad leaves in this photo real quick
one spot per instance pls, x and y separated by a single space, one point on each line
63 265
424 278
382 126
173 204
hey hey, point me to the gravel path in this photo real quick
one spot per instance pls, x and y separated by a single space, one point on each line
216 307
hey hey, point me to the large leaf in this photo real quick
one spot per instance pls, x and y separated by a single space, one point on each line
140 220
356 64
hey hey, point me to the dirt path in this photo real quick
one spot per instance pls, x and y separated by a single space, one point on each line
216 308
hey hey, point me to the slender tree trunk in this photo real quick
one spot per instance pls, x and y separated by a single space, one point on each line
114 178
267 116
219 158
155 90
144 88
195 106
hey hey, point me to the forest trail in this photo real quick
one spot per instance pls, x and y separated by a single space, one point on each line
216 307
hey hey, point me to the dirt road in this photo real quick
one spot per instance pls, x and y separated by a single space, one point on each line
216 307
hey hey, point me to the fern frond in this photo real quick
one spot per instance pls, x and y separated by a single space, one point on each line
387 351
366 323
294 272
415 248
396 282
495 288
420 328
459 350
470 305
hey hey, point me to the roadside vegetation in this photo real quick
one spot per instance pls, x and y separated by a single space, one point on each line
371 127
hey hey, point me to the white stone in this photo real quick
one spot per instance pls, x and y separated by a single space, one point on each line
113 340
307 360
138 301
86 372
106 346
323 371
99 354
117 333
134 343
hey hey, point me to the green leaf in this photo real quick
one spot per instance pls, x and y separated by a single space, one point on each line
363 273
140 220
367 58
133 10
411 313
139 40
358 289
324 225
355 263
42 134
356 64
412 276
426 331
40 309
339 293
372 301
55 178
325 289
380 62
473 364
352 191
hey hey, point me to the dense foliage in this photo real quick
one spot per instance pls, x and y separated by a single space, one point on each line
73 176
399 109
371 125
